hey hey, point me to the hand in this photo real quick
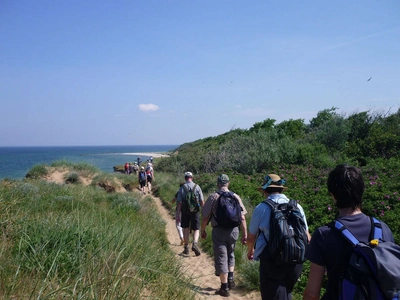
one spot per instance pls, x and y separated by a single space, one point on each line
244 240
250 255
204 235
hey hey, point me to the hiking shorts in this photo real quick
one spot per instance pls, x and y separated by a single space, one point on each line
149 179
142 183
224 240
191 220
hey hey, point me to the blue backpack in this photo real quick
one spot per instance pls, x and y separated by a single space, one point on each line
229 211
373 271
142 176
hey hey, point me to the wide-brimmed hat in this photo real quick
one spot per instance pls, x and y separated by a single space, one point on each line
273 180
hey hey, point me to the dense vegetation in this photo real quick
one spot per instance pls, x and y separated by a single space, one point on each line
303 154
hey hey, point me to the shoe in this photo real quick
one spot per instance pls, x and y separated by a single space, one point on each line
186 250
223 293
231 283
195 249
182 242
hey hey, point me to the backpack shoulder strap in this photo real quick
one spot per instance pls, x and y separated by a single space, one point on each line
346 233
377 228
293 202
185 188
270 202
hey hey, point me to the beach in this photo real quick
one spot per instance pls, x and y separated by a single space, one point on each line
155 155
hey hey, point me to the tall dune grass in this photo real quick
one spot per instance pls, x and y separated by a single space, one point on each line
77 242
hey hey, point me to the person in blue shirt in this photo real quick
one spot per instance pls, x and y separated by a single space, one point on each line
276 281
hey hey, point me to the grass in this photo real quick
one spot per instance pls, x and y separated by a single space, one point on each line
77 242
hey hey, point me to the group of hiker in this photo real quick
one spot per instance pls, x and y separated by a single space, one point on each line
133 168
278 236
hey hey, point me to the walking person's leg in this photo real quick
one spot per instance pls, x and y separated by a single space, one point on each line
195 226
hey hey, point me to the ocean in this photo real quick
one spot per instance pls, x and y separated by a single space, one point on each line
15 162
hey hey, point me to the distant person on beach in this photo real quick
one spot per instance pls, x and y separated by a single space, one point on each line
178 223
190 220
224 232
150 176
142 179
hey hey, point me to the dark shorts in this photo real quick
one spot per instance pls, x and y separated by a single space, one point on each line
149 179
142 183
191 219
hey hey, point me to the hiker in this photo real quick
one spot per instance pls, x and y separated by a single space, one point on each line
151 159
135 168
224 233
178 224
149 176
130 168
126 167
329 251
277 279
142 179
139 160
189 217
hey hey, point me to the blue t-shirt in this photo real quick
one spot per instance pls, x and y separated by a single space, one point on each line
260 220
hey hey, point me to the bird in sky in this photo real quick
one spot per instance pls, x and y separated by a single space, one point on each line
369 79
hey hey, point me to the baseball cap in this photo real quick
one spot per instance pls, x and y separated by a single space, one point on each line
223 178
188 174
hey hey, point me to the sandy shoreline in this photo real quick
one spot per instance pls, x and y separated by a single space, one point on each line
155 155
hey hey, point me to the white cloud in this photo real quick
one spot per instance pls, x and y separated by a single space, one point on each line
148 107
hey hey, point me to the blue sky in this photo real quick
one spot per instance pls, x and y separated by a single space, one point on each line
169 72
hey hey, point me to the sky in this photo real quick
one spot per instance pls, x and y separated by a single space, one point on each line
167 72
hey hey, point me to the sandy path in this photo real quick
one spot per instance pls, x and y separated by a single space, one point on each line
200 268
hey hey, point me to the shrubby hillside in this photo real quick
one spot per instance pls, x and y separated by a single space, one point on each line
303 154
328 139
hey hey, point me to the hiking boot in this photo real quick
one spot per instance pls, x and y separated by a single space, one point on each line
231 283
195 249
223 293
186 250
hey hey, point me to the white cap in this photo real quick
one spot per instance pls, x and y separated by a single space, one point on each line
188 174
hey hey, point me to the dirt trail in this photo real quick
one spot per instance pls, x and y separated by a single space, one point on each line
200 268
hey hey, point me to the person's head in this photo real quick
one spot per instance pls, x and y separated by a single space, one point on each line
141 168
188 176
223 180
346 184
273 184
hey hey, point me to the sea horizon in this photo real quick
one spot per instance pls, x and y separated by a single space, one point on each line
16 161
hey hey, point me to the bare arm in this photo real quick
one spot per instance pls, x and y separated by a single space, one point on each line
313 288
251 239
243 227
